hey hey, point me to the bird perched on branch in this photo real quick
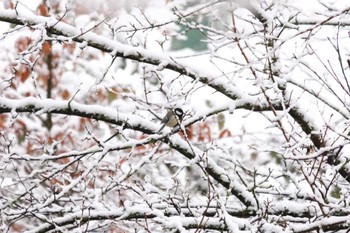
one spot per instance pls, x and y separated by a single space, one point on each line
172 118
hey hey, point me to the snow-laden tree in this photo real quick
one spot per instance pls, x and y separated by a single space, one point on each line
263 146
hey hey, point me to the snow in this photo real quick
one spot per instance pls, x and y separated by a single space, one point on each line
100 160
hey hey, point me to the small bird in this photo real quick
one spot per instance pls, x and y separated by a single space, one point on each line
172 118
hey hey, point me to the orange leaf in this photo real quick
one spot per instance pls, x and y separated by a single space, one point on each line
2 121
22 43
189 132
70 47
23 73
225 133
65 95
17 227
46 48
42 10
204 132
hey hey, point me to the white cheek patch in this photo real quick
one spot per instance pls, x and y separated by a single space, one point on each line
178 112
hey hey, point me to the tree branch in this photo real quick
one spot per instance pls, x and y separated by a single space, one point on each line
115 48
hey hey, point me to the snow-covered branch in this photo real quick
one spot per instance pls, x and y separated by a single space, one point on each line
67 32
